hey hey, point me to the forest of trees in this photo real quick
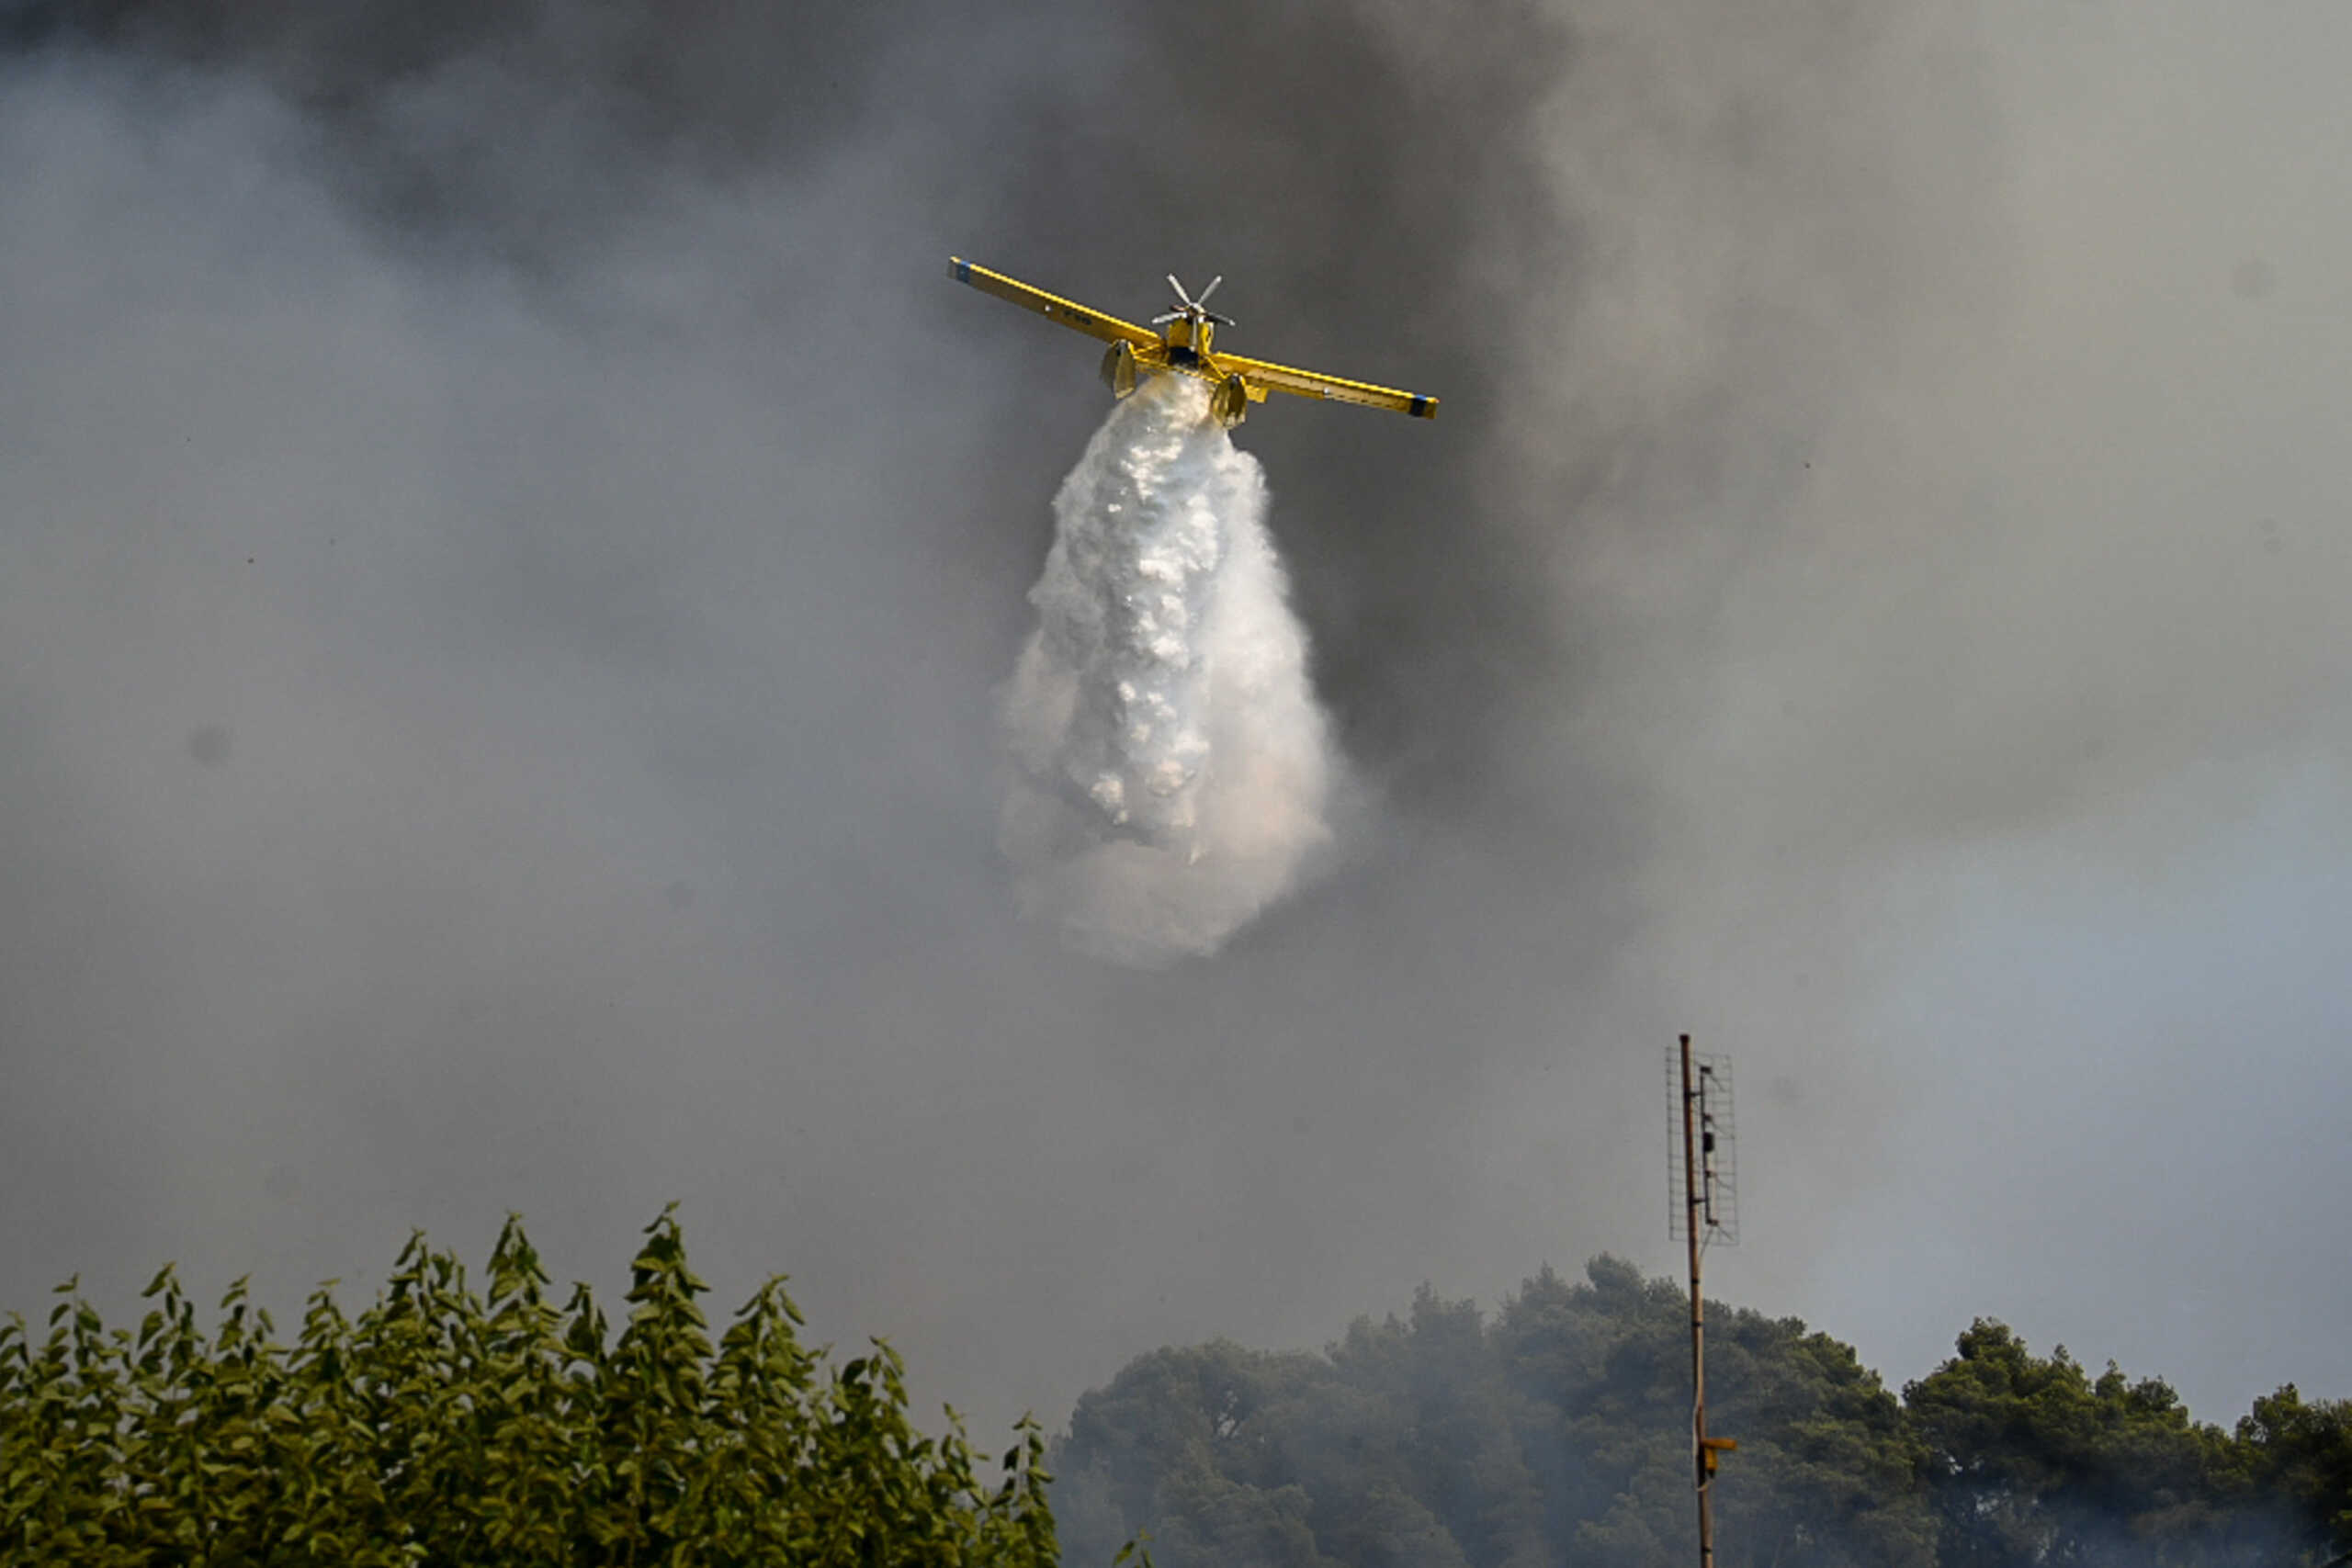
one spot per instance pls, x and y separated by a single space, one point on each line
447 1426
1558 1434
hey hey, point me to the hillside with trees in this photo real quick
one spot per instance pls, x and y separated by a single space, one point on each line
1558 1432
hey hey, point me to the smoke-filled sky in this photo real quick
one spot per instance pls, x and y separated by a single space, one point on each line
510 545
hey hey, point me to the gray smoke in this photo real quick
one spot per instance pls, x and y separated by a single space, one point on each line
1171 765
509 548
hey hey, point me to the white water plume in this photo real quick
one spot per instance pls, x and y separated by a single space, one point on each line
1171 768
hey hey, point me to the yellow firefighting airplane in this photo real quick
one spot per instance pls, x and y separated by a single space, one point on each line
1182 344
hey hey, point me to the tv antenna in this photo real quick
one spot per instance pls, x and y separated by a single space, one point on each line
1703 1188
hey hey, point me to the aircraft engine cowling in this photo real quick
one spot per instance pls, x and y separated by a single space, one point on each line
1119 369
1230 401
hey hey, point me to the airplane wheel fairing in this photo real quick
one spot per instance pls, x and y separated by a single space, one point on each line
1119 369
1230 401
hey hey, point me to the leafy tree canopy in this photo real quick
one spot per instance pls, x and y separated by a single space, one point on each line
445 1426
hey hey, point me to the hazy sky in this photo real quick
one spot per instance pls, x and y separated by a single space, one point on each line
509 540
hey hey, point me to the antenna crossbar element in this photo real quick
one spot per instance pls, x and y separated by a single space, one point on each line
1716 1168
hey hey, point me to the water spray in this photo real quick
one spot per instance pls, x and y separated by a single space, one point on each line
1170 769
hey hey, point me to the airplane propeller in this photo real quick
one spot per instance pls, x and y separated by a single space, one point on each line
1196 309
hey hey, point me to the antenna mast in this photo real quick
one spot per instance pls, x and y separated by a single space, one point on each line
1703 1208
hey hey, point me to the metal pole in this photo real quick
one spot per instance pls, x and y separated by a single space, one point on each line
1696 1227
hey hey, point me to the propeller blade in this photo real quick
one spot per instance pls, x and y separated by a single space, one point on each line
1165 317
1180 288
1210 289
1221 321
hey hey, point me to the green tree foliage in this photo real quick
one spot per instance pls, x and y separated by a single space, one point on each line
442 1426
2030 1459
2033 1461
1823 1473
2300 1457
1559 1432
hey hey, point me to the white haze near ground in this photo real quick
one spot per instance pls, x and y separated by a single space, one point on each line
471 746
1171 769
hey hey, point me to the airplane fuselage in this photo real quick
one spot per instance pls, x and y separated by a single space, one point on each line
1187 341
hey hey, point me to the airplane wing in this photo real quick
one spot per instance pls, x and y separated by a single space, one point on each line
1053 307
1314 384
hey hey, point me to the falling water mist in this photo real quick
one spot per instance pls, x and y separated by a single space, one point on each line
1171 771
